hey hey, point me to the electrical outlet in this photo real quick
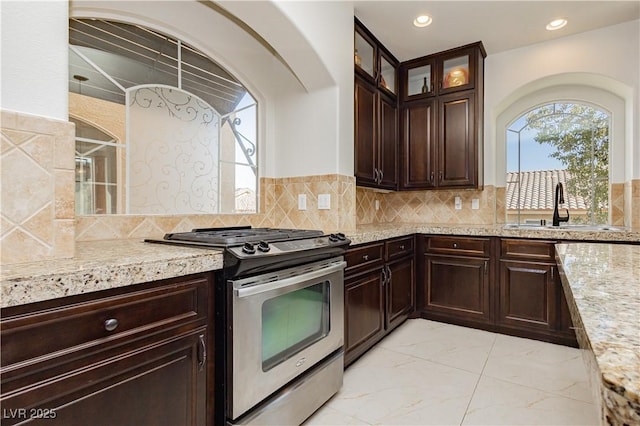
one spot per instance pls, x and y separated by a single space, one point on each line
302 201
458 203
324 201
377 204
475 203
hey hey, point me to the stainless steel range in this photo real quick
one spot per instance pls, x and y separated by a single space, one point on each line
279 312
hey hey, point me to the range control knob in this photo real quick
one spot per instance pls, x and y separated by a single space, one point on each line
333 238
248 248
263 246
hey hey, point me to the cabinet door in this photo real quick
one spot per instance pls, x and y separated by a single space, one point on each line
457 70
457 288
400 292
163 383
365 134
457 144
418 154
365 53
388 73
364 313
417 78
388 132
527 295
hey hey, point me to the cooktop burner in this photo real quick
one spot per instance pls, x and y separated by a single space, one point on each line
225 237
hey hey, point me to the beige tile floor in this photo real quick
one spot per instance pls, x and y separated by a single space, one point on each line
430 373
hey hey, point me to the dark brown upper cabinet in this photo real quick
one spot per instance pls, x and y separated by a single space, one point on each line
450 71
373 62
376 112
442 120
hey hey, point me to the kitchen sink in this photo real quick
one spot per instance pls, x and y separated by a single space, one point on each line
566 227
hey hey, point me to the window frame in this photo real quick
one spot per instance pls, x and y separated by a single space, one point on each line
549 91
591 210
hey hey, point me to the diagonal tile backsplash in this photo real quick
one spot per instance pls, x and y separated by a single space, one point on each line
37 191
278 206
37 220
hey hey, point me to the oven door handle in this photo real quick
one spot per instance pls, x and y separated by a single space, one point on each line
300 280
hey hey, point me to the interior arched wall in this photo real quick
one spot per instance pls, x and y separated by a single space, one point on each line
306 119
593 57
315 38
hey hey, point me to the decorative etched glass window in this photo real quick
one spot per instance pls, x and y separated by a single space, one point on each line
561 142
189 127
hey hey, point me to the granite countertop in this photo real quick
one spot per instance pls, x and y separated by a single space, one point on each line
100 265
602 284
368 233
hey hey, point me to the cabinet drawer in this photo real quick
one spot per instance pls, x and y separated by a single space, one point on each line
527 249
364 257
136 314
458 246
399 247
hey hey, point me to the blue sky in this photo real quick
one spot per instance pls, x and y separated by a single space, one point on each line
533 156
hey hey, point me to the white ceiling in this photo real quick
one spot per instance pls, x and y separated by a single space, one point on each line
500 25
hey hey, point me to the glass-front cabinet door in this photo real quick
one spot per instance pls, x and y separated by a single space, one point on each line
419 80
456 73
387 74
364 55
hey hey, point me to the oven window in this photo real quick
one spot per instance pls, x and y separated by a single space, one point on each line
292 322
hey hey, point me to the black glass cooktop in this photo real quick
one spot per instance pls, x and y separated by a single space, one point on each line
224 237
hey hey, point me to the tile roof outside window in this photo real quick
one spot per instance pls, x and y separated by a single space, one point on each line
538 190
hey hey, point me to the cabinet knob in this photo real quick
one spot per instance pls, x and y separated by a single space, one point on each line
111 324
455 245
365 257
402 247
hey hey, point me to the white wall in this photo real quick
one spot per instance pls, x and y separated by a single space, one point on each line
314 123
305 106
607 58
34 57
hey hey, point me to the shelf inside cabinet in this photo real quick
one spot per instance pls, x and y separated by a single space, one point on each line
419 80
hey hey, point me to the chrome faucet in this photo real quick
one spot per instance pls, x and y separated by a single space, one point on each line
559 199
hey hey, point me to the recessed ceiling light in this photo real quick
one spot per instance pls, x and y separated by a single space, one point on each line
422 21
556 24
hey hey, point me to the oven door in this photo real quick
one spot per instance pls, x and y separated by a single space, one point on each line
284 323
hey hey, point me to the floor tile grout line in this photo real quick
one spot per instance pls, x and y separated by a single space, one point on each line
558 395
475 388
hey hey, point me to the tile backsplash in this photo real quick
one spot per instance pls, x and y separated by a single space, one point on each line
37 188
426 206
278 207
37 200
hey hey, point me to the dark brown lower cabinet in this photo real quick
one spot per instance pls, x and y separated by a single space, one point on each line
531 300
457 286
400 292
527 295
456 279
364 313
126 357
379 292
523 297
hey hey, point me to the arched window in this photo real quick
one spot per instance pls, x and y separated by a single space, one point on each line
559 143
547 109
98 155
190 126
